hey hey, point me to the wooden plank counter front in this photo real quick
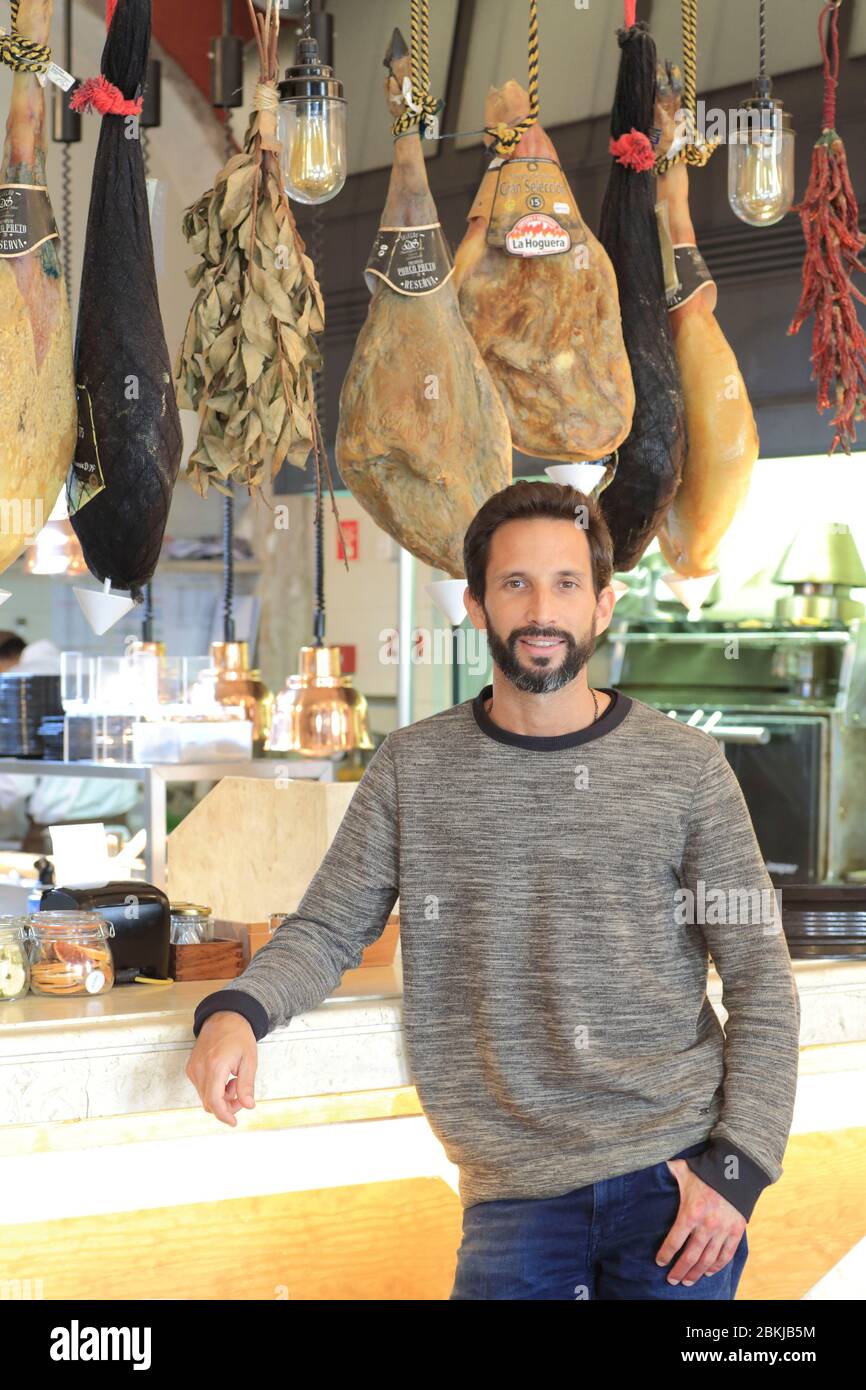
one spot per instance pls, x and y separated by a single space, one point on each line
118 1185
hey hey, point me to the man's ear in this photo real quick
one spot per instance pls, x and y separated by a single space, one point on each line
604 608
475 611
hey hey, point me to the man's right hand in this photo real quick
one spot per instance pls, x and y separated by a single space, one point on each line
226 1045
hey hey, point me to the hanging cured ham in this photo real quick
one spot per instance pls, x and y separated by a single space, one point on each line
539 296
651 458
423 438
722 438
37 400
129 437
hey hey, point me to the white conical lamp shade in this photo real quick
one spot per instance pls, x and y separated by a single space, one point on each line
690 592
583 476
447 594
102 608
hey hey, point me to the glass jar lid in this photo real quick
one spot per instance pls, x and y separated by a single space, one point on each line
48 925
189 910
13 926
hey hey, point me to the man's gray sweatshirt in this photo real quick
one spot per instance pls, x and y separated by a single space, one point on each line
558 898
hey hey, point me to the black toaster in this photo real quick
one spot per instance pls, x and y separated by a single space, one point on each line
141 917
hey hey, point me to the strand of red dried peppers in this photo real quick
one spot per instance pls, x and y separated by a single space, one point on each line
829 217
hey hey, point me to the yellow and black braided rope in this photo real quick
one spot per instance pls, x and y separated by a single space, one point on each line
697 152
20 54
420 61
505 137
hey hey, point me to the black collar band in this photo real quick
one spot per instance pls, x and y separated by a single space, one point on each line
613 715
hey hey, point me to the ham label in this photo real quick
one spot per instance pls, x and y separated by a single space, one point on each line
529 207
692 274
86 478
26 219
412 260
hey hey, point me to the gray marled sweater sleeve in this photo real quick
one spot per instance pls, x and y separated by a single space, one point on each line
745 937
344 909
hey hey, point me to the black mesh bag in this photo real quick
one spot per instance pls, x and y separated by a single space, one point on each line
651 459
129 437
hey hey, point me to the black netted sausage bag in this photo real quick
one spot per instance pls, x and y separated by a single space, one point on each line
651 458
129 437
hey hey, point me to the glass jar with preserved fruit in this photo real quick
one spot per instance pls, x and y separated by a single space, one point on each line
70 954
14 960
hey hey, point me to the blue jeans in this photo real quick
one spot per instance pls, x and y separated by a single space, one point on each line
596 1242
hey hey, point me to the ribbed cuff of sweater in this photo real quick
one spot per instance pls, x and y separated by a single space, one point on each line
712 1167
235 1001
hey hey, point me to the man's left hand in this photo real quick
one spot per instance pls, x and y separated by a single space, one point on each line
707 1225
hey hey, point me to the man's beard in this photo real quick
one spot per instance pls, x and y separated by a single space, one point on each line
540 680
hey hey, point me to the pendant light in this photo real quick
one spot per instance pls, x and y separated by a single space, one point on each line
235 680
761 150
312 120
318 713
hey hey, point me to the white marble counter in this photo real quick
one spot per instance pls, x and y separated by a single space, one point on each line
125 1052
97 1087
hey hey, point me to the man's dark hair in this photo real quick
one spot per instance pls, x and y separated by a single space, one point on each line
11 646
526 499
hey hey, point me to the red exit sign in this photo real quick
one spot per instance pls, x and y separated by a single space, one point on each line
350 535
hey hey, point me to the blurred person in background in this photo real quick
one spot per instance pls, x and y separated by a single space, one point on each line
28 805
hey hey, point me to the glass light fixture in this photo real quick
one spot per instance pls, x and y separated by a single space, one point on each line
761 150
319 712
761 160
312 128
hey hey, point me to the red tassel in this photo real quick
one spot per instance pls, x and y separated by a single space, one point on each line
830 221
97 94
634 150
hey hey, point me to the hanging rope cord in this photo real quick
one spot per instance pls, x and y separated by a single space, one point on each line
762 37
421 106
829 42
698 150
505 137
20 54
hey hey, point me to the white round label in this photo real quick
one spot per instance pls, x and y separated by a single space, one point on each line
94 981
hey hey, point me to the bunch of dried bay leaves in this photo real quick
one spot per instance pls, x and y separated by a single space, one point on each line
248 353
